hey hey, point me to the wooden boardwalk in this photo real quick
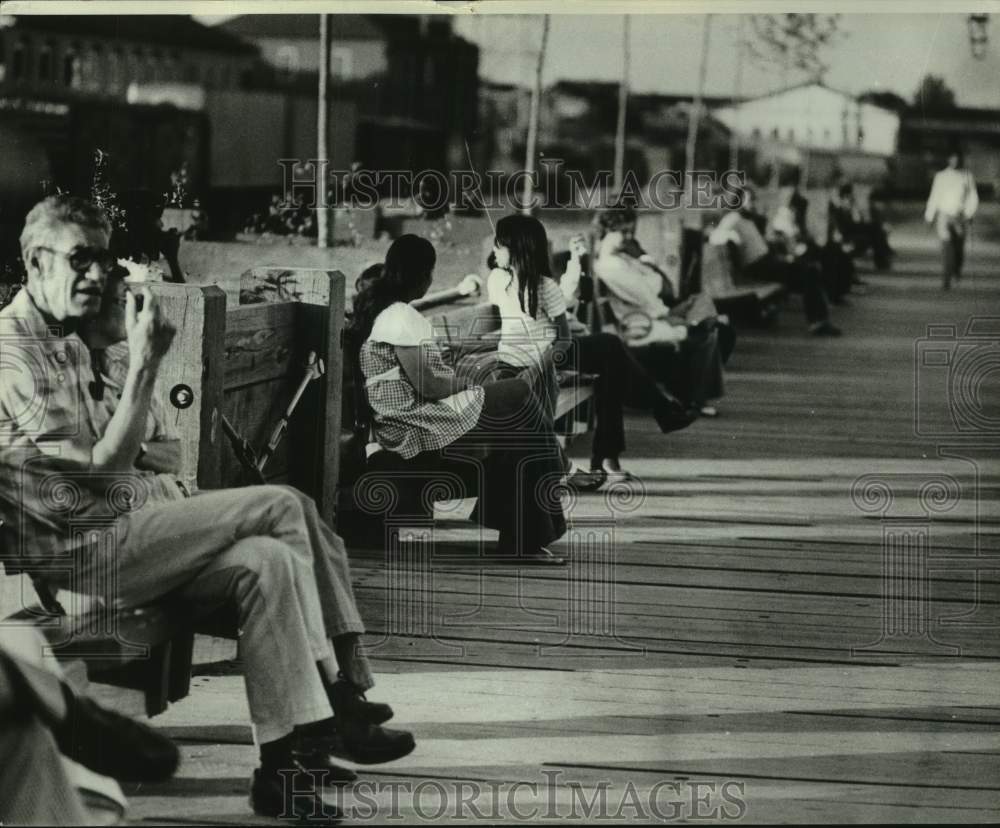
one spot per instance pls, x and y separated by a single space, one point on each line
792 619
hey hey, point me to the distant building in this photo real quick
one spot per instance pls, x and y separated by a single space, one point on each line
87 57
925 141
413 82
289 43
822 131
814 116
134 86
577 123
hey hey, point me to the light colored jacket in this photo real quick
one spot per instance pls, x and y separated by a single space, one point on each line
953 201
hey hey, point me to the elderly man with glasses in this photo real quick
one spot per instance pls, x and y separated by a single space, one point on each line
263 548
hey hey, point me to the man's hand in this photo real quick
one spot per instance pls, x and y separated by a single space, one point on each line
149 333
577 247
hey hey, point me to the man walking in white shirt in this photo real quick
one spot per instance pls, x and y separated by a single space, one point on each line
951 206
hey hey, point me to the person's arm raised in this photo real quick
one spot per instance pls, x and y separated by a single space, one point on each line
149 339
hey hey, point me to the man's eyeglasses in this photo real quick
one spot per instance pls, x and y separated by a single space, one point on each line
81 259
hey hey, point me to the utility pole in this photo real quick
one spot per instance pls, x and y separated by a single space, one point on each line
323 210
734 137
622 107
695 117
536 95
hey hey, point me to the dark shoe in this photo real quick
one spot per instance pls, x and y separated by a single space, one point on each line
671 415
586 481
114 745
312 755
368 744
349 702
292 797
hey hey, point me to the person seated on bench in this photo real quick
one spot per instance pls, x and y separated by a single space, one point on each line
263 548
44 722
740 233
682 347
420 407
789 238
535 336
848 227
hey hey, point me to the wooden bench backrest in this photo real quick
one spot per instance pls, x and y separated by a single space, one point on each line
195 362
295 311
716 274
462 324
247 361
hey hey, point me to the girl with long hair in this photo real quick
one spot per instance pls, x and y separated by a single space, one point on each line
420 407
535 337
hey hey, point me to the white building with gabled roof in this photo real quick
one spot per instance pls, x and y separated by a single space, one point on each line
813 116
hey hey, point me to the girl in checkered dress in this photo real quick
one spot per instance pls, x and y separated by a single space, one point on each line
420 407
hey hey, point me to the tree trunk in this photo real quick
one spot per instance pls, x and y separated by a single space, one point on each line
536 95
323 216
622 107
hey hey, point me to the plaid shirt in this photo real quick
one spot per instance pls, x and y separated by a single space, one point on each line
404 422
50 420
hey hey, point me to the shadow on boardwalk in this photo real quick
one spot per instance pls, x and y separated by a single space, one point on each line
794 617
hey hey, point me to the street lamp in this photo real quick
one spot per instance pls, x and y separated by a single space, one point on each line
978 36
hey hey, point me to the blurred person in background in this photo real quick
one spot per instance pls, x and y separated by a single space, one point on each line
789 238
952 204
739 232
857 235
143 240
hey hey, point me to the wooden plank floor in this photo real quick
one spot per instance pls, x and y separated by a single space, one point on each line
750 641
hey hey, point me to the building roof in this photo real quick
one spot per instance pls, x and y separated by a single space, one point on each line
377 27
302 26
803 85
593 90
162 29
961 119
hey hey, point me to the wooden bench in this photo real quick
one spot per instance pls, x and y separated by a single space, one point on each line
148 649
244 363
747 300
468 331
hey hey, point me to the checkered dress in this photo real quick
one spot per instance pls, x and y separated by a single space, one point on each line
404 422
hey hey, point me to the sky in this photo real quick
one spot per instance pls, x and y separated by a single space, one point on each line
874 51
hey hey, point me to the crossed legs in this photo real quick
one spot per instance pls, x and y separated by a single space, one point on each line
267 548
